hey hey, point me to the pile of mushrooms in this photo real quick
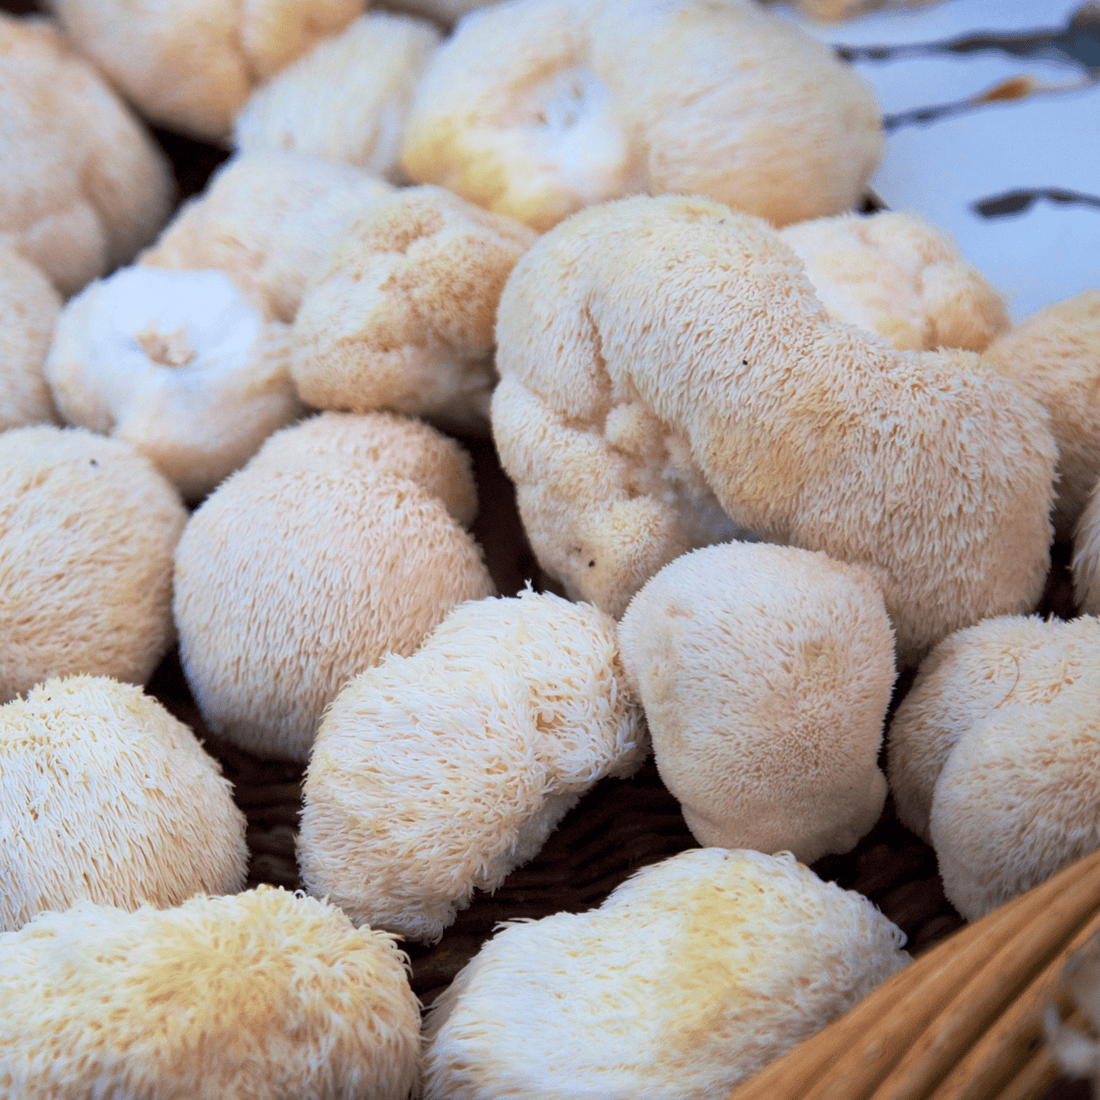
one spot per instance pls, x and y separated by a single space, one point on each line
772 455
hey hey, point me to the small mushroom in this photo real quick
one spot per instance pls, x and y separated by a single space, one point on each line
347 98
88 527
84 185
442 771
177 363
765 673
264 993
403 317
300 571
693 975
29 306
105 796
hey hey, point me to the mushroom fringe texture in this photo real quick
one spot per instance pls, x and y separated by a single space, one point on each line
690 977
1086 556
263 994
895 275
440 772
84 185
88 528
994 755
29 306
177 363
268 220
104 796
403 316
586 102
661 355
765 673
1054 357
190 65
304 568
347 98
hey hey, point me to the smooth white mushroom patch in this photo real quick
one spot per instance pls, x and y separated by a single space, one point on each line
177 363
765 673
347 98
440 772
87 531
84 184
691 976
655 344
994 755
586 103
105 796
301 570
29 306
262 994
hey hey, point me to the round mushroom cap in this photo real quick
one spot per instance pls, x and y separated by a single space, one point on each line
400 445
190 65
87 531
84 185
264 993
177 363
29 306
765 673
441 772
893 274
290 581
347 98
403 317
969 677
268 220
1054 357
105 796
691 976
586 103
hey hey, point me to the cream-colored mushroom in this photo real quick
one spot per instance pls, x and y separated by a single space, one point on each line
178 363
106 797
765 673
403 317
190 65
894 274
347 98
84 184
665 358
589 102
87 531
690 977
295 575
1086 556
29 306
265 993
440 772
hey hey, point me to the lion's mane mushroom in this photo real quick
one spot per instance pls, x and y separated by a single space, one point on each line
190 65
585 103
440 772
178 363
403 317
993 755
765 673
345 100
261 994
1086 556
694 974
105 796
1054 357
658 355
300 571
87 531
894 274
84 186
29 306
268 220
